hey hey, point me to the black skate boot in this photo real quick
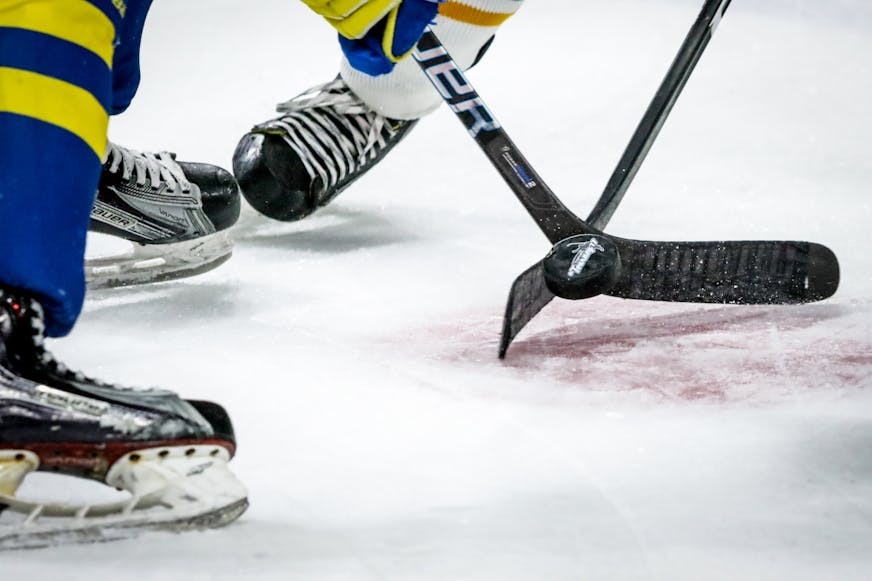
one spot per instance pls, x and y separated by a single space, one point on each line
176 214
325 139
169 454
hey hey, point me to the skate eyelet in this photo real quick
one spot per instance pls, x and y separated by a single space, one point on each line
135 457
19 457
214 452
190 452
163 453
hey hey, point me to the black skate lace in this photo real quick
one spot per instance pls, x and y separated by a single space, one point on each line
44 356
38 357
47 359
331 130
153 169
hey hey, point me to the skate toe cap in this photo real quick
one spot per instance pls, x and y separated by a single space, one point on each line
219 192
217 417
272 178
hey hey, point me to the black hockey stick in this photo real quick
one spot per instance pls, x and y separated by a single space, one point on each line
658 111
529 294
584 261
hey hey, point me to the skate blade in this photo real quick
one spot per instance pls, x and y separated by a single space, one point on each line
171 490
146 263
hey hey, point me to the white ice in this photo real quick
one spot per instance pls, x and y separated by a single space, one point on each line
380 436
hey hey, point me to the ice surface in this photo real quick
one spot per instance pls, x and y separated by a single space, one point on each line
380 436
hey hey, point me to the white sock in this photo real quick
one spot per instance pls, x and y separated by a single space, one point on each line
464 26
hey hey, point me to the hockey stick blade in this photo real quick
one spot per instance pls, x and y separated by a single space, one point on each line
675 260
528 296
631 161
746 273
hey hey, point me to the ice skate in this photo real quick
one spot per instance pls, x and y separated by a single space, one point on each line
168 455
324 140
175 214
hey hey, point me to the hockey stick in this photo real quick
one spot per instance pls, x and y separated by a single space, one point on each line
738 272
658 111
529 294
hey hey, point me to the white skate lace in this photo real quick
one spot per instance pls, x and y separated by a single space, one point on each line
332 131
146 168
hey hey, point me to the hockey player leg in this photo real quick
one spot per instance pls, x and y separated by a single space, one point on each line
54 102
331 135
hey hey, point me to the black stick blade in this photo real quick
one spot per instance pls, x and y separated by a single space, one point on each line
753 272
529 295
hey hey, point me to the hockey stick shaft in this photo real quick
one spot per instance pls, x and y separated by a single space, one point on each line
554 219
658 111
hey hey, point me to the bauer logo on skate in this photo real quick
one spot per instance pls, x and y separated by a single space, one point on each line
583 251
65 401
102 212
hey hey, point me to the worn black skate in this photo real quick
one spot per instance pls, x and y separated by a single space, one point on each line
175 214
325 139
168 454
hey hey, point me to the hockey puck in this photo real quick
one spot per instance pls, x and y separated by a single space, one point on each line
582 266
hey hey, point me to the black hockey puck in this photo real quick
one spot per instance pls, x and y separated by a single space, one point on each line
582 266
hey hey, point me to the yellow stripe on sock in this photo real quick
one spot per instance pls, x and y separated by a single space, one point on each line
56 102
469 15
75 21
